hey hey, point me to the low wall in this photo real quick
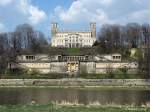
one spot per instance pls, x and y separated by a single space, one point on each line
74 82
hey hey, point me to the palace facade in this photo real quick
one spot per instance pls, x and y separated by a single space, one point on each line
72 38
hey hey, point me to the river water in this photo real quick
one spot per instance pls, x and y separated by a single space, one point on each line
13 96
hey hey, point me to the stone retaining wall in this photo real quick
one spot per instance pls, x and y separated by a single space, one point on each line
74 82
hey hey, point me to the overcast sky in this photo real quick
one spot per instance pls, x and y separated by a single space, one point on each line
71 14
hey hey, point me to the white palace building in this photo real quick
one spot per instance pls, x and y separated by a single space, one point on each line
72 38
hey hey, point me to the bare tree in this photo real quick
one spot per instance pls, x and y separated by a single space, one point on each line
30 39
4 49
146 34
23 38
133 32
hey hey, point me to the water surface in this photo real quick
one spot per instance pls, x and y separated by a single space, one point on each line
82 96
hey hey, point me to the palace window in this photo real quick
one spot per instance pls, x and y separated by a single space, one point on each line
30 57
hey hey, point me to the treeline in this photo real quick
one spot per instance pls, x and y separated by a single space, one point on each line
132 35
23 38
117 38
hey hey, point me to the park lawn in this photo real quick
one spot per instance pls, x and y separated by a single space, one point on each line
73 51
103 109
54 108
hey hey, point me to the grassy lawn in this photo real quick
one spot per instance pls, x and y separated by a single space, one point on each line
59 76
73 51
25 74
110 76
52 108
100 109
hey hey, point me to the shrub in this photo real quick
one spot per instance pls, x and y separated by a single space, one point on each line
123 70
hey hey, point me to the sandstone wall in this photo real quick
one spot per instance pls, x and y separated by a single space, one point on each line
49 67
84 67
102 67
58 67
87 67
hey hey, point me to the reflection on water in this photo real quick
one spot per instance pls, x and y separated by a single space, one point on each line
45 95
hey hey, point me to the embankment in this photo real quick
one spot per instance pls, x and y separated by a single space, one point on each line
75 82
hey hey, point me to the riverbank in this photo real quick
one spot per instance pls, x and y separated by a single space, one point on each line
55 108
83 83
